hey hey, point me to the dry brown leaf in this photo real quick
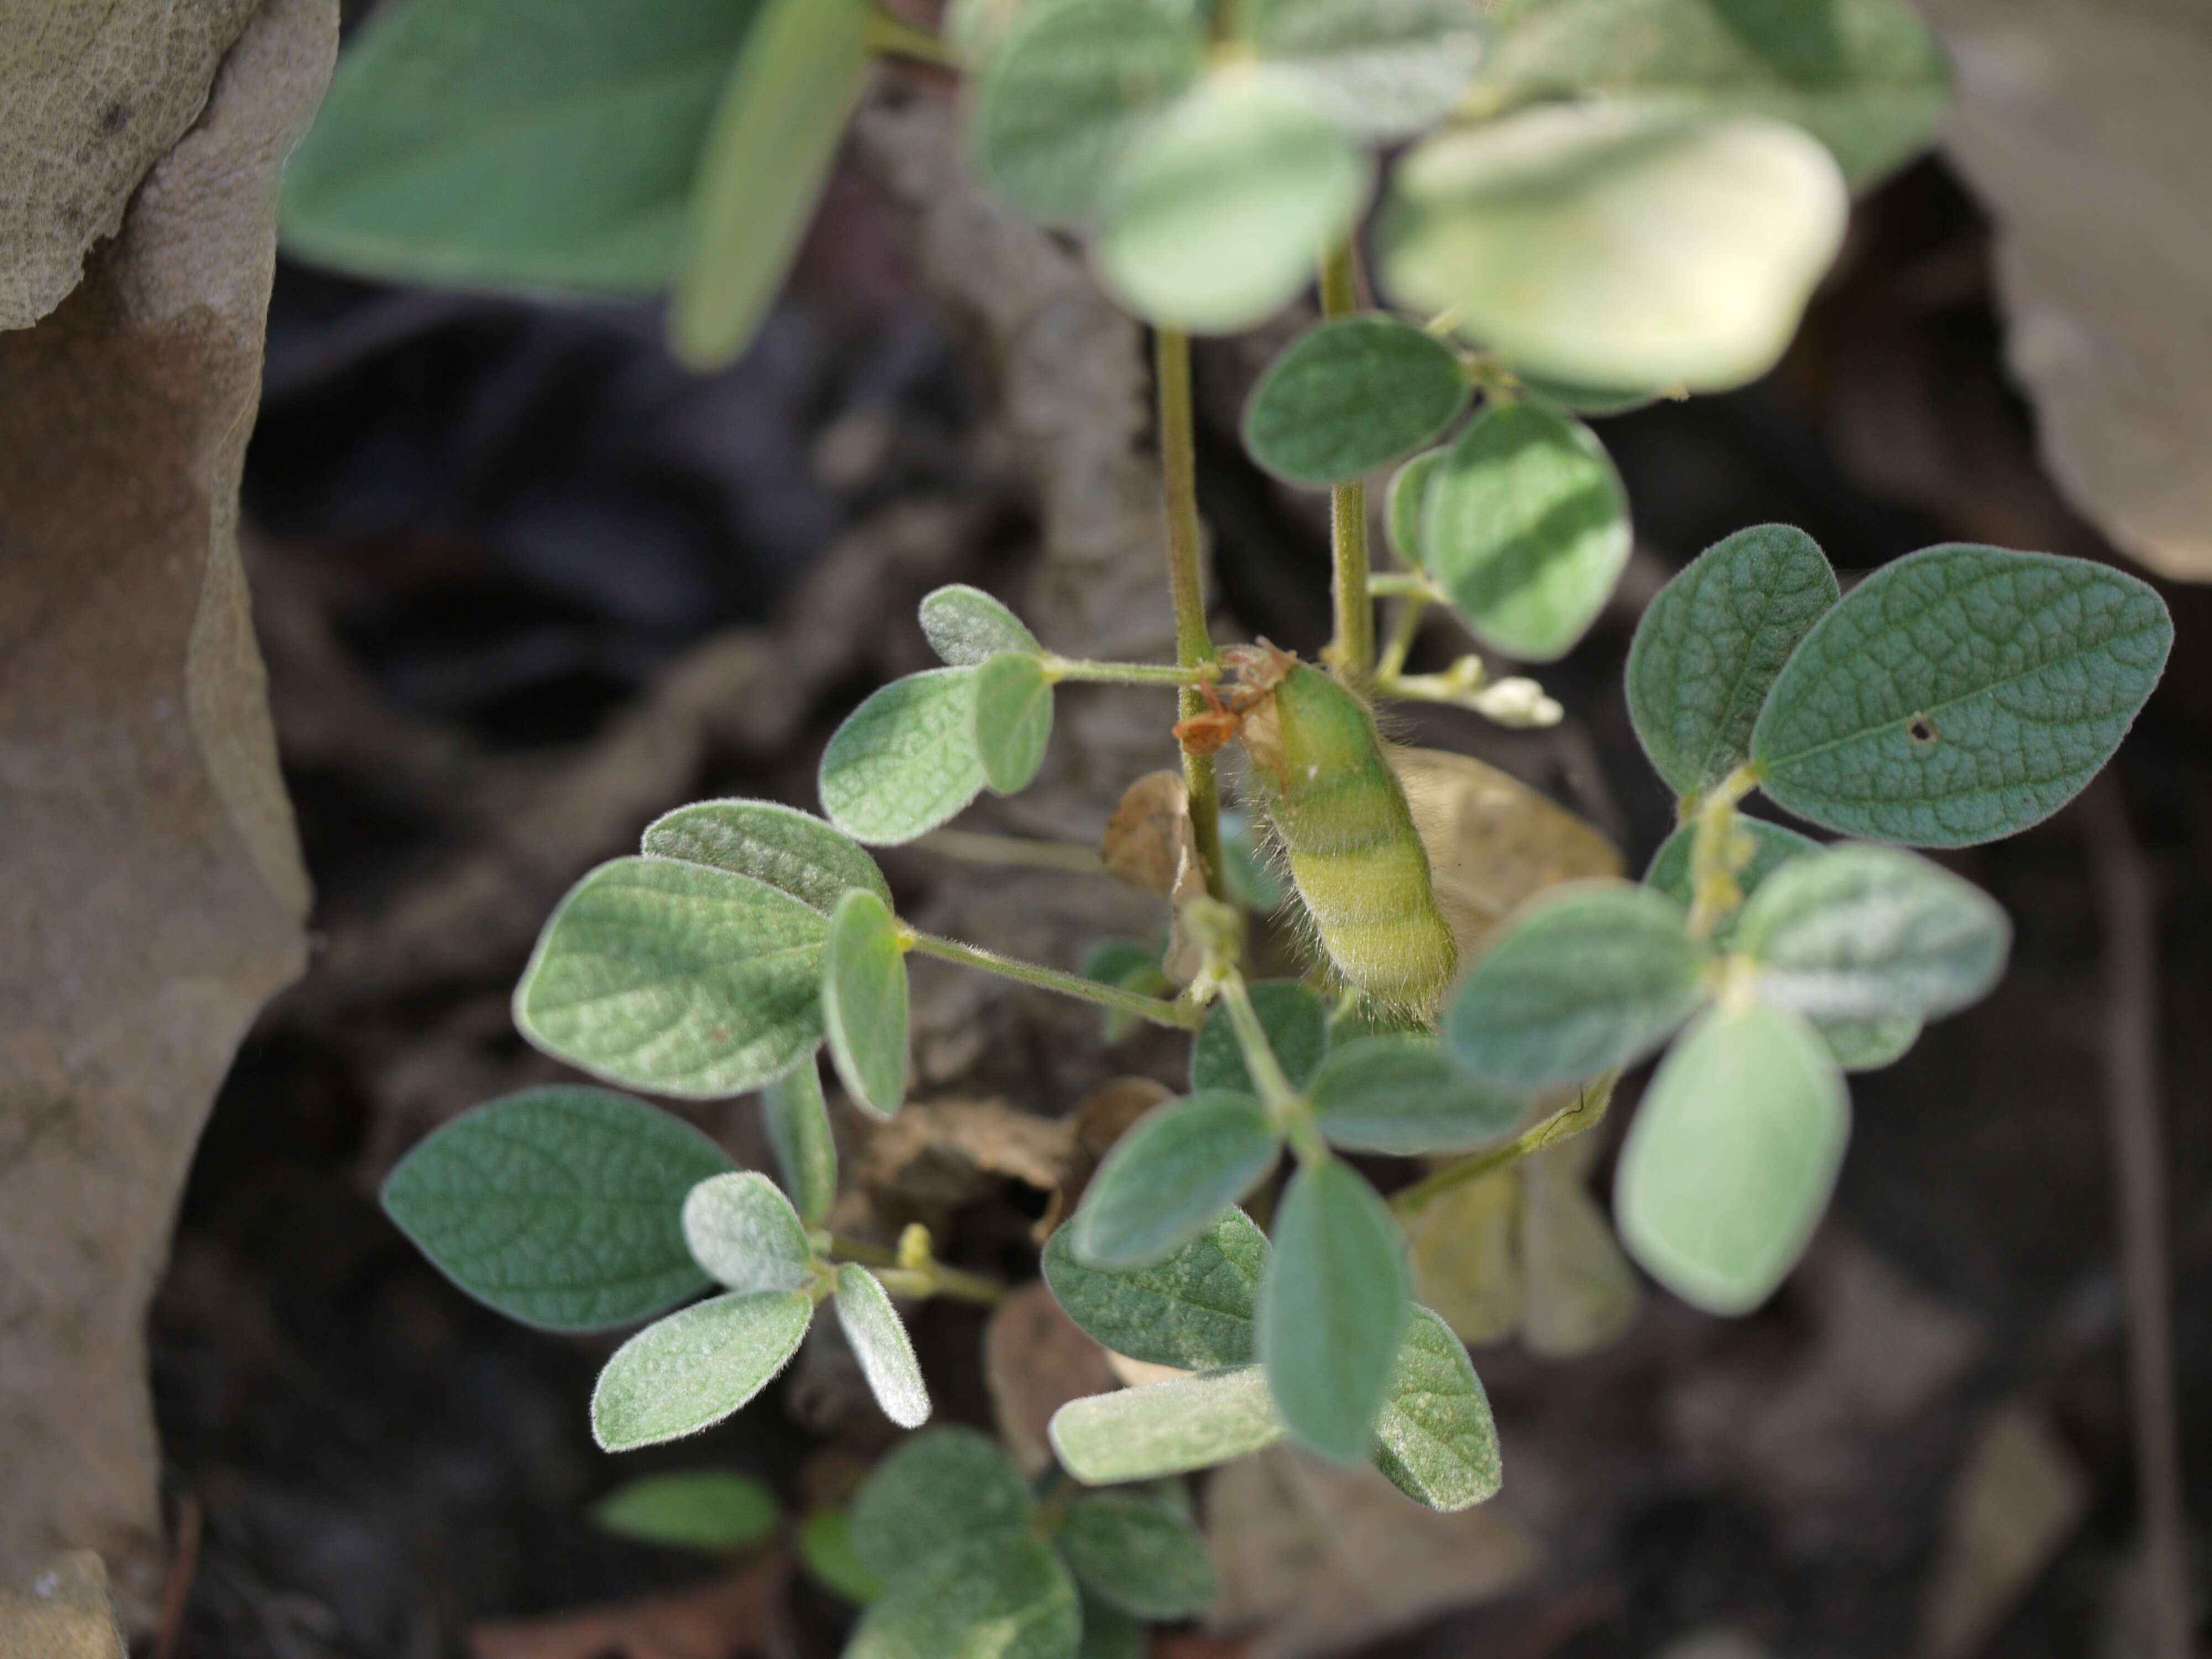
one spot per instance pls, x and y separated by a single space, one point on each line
1465 1244
1578 1293
1036 1359
1492 841
1148 833
65 1612
2083 126
740 1617
2019 1497
1318 1560
155 894
930 1160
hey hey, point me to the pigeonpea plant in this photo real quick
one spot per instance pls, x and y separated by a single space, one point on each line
1571 207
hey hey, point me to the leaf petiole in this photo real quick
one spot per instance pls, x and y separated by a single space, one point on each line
1714 859
899 1274
1131 674
1157 1010
1585 1112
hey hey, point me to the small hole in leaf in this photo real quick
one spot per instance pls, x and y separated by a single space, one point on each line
1923 730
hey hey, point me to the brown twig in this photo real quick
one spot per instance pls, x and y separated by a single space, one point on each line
2122 879
177 1587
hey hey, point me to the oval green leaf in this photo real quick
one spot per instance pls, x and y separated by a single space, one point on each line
864 1002
905 760
1732 1157
1297 1025
1408 495
1350 396
1334 1308
1960 694
878 1341
1709 648
966 627
1171 1176
1405 1097
1193 1310
797 1119
791 851
1612 245
709 1509
1525 523
990 1598
1138 1551
744 1232
1436 1438
677 978
1014 720
938 1489
1220 212
689 1371
1166 1428
1380 69
561 1207
1589 977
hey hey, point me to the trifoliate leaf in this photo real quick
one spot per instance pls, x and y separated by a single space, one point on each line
1381 69
1139 1552
864 1002
1351 395
1167 1428
1297 1025
744 1232
1436 1440
561 1207
1406 1096
792 851
966 627
878 1341
1193 1310
1170 1175
990 1598
709 1509
689 1371
943 1487
797 1119
905 760
1014 720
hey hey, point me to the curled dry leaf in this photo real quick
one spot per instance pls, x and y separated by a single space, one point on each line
1036 1359
1146 836
930 1160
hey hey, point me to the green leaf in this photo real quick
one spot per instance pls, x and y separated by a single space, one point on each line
1525 523
797 1119
905 760
1138 1552
1253 881
1617 246
1297 1025
791 851
1193 1310
1409 496
1166 1428
1864 932
1867 1045
1406 1095
988 1598
709 1509
1579 1294
1730 1160
864 1002
1960 694
689 1371
1862 75
1772 846
1708 649
1380 69
879 1342
1110 1633
1166 1179
1436 1440
1219 213
1014 720
1074 85
560 1207
744 1232
947 1487
1351 395
966 627
1333 1308
825 1540
513 143
1134 966
1594 401
768 155
676 978
1589 977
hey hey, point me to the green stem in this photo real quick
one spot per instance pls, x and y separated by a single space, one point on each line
1351 650
1130 673
1020 852
894 37
1584 1112
1405 628
932 1278
1715 892
1290 1111
1157 1010
1186 585
1406 585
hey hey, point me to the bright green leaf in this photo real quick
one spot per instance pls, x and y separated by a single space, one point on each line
1436 1440
797 1119
1167 1428
1297 1025
1772 846
1525 523
1731 1158
1409 496
1074 85
744 1232
1863 933
1170 1177
1960 694
1138 1552
709 1509
1382 68
1333 1308
943 1487
878 1341
689 1371
513 143
1014 720
1863 76
1709 648
987 1598
1579 1294
966 627
1612 245
1589 976
560 1207
825 1540
1351 395
1219 213
792 851
864 1002
677 978
1193 1310
1406 1096
905 760
766 157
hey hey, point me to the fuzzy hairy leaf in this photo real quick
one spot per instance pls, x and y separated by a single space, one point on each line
1170 1177
1407 501
905 760
1351 395
1406 1096
1193 1310
1167 1428
1381 69
689 1371
797 1119
791 851
709 1509
966 627
879 1340
1139 1552
987 1598
561 1207
1014 720
744 1232
1297 1025
1436 1440
942 1487
864 1002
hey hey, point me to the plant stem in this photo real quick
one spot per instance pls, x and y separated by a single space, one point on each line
1187 584
1404 585
1585 1111
1351 650
1157 1010
1283 1101
1129 673
1405 628
934 1279
894 37
1713 886
1021 851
